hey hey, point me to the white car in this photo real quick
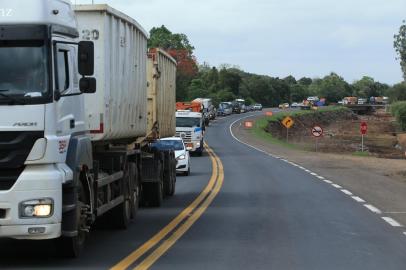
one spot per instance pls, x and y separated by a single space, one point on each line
181 154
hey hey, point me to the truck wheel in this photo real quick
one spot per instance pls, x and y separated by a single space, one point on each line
121 215
134 189
171 178
157 194
157 189
172 183
72 247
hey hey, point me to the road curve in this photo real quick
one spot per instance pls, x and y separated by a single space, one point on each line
272 215
268 214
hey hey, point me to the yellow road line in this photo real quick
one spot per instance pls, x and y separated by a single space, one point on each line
134 256
167 244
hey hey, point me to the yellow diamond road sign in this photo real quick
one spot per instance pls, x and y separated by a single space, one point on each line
288 122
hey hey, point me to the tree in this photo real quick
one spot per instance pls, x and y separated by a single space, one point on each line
400 47
179 47
397 92
333 88
161 37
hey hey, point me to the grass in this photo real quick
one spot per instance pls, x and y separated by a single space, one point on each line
361 154
259 132
262 123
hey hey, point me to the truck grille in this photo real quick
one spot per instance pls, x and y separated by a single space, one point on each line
185 135
14 150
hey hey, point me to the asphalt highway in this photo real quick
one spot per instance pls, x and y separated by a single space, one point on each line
256 212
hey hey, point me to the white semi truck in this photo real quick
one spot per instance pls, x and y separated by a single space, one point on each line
71 152
190 127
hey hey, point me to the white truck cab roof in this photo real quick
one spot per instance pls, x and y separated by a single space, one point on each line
38 12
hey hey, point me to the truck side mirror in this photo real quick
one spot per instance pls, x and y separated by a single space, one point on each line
87 85
86 58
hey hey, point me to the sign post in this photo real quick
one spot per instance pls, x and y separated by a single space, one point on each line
364 131
317 132
288 123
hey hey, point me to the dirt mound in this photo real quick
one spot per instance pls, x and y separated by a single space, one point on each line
342 133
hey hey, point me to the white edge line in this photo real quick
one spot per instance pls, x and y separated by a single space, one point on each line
373 208
328 181
392 222
347 192
358 199
337 186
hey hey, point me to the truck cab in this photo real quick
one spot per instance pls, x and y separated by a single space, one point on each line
41 111
190 127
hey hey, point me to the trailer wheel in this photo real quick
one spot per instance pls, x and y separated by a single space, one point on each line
170 190
121 215
157 189
72 247
135 189
171 178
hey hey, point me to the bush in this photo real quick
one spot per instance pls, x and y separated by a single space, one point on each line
398 110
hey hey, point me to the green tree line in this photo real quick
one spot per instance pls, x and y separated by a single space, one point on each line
227 82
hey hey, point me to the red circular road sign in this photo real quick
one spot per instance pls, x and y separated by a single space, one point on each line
364 128
317 131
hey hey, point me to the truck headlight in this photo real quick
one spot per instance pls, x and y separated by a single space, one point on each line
181 157
41 208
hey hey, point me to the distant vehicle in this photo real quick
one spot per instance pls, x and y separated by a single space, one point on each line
190 127
295 105
241 105
181 154
236 108
257 107
209 110
362 101
225 108
189 106
243 108
284 106
313 99
350 101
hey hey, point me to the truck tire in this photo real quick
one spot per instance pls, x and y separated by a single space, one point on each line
170 178
121 215
72 247
134 188
156 193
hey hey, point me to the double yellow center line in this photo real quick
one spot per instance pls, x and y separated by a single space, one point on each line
179 225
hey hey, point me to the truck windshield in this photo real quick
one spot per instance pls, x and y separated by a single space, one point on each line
187 122
23 69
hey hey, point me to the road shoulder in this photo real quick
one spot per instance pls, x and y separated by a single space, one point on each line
381 182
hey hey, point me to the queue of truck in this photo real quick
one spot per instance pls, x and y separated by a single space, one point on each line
91 132
89 125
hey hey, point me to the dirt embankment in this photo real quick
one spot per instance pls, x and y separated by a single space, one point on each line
342 133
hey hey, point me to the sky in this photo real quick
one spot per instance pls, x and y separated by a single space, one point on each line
311 38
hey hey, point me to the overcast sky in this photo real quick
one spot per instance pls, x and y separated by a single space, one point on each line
282 37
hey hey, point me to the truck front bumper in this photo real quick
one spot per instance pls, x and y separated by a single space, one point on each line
36 182
193 146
